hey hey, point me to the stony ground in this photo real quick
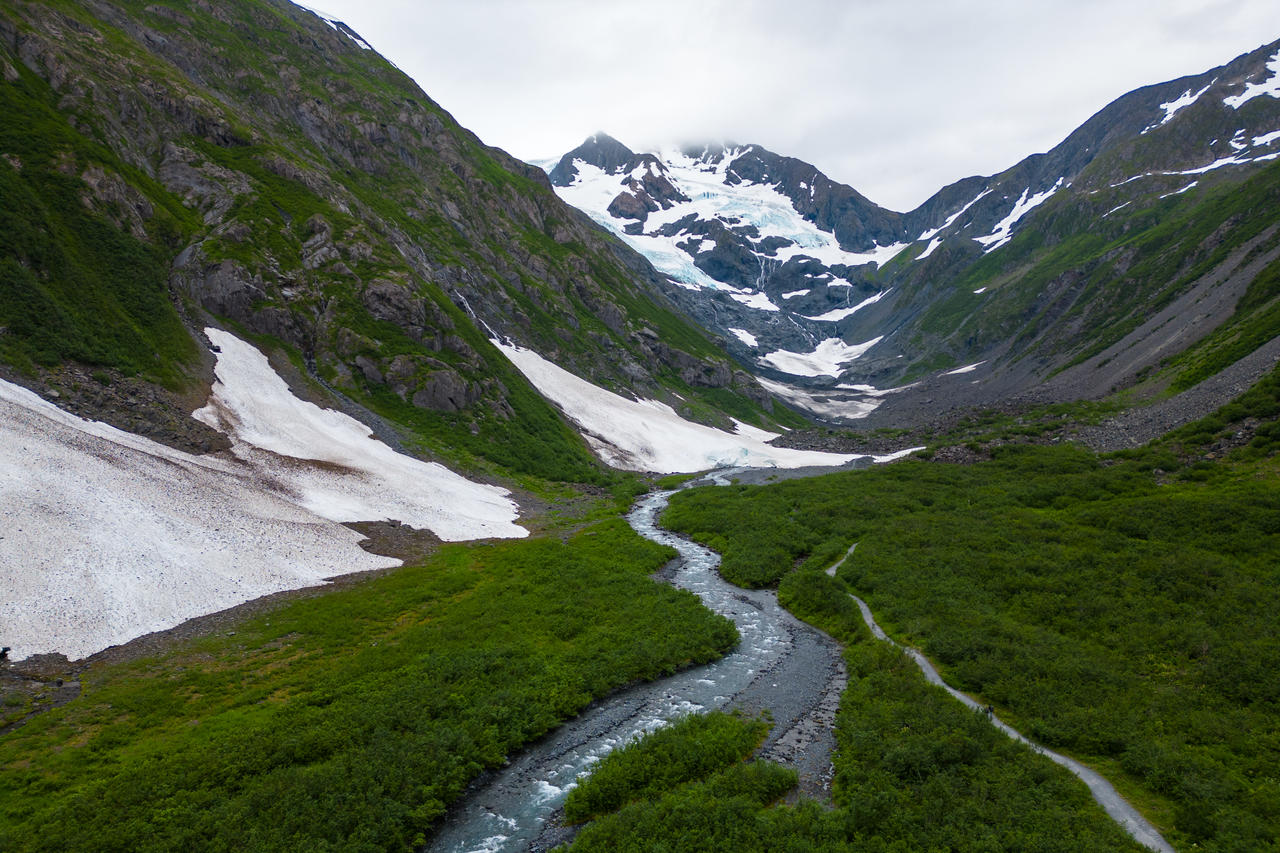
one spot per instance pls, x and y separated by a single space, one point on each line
126 402
1132 427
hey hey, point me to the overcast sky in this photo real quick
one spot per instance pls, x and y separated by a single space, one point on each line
894 98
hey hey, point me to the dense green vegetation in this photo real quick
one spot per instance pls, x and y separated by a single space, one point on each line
690 749
76 282
914 765
1117 608
723 812
348 720
915 771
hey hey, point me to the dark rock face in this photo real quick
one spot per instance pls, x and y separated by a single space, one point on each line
126 402
444 391
1101 193
632 205
653 182
729 260
599 150
344 212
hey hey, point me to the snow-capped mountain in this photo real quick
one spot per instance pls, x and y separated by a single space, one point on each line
815 286
776 252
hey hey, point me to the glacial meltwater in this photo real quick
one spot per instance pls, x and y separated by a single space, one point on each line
780 664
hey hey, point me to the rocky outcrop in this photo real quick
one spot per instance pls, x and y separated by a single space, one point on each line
600 150
344 214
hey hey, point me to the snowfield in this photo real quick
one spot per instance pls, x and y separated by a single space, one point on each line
762 205
1003 231
358 478
838 314
828 358
106 536
646 435
1269 86
968 368
836 403
1172 108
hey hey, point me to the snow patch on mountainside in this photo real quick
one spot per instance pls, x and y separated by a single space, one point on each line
745 336
1237 159
845 403
357 477
838 314
827 358
108 536
934 235
1226 161
338 26
1181 191
1269 86
934 232
1003 232
758 301
1172 108
646 435
929 249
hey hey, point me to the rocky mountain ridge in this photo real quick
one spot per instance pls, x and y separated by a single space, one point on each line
815 286
257 163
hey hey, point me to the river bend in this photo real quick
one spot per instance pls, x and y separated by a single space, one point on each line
780 663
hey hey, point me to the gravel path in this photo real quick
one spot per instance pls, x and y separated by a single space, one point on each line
1115 806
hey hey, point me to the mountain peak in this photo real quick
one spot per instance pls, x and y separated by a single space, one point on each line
599 149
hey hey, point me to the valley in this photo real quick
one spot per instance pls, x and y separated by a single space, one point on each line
365 488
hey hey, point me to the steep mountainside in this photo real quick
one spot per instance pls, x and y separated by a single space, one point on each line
257 162
1165 198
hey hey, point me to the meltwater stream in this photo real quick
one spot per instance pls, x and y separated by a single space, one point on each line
780 664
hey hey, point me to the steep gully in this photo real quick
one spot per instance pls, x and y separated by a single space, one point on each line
781 664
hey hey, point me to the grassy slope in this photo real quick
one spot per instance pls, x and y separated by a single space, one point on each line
348 720
73 283
228 86
1070 267
1120 609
